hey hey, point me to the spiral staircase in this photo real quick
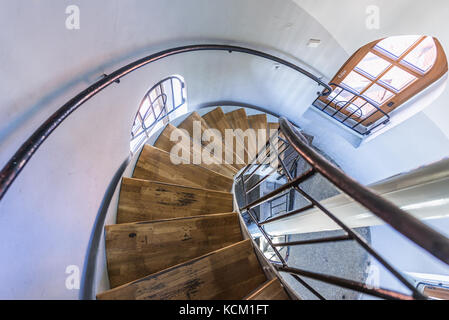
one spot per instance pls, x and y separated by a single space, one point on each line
180 231
177 235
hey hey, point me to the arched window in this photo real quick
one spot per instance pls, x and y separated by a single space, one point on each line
165 99
380 77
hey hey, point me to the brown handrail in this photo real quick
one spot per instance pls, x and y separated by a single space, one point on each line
403 222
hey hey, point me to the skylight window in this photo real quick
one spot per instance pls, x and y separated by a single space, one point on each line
423 56
366 108
339 95
356 81
397 78
396 46
382 75
378 77
373 65
378 94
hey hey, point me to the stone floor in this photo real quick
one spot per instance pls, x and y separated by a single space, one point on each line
341 259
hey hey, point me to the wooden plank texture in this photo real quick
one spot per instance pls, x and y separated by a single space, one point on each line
136 250
155 164
184 143
143 200
188 125
238 120
216 119
228 273
270 290
273 126
258 122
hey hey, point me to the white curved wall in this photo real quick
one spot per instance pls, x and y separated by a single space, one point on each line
46 219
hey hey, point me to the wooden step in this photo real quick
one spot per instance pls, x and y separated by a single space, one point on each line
144 200
272 126
136 250
270 290
238 120
229 273
155 164
188 125
259 123
216 119
187 151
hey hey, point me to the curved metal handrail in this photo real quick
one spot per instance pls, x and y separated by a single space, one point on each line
403 222
16 164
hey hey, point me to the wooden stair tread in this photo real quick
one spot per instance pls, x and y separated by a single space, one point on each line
135 250
238 120
229 273
155 164
270 290
186 147
216 119
259 122
188 126
272 126
143 200
177 236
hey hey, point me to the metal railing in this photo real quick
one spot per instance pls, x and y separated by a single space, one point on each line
352 115
285 251
412 228
22 156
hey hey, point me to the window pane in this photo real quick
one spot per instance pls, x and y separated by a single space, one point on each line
177 92
373 65
396 46
135 143
424 55
137 127
157 108
397 78
342 96
149 120
366 107
353 110
356 81
378 94
154 94
144 107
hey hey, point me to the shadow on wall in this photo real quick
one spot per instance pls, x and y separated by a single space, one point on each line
87 287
